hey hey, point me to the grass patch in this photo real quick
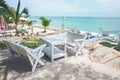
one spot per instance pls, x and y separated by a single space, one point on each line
2 45
107 44
117 47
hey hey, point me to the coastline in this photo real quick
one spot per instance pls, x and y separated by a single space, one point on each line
90 24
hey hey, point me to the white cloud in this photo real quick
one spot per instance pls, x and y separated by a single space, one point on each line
46 7
53 6
110 4
69 7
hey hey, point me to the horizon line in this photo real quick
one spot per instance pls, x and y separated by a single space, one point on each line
80 16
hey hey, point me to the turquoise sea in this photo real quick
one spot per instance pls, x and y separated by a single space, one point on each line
92 24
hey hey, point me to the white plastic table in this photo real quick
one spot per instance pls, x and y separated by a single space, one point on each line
51 51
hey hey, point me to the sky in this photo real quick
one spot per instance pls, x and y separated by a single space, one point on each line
83 8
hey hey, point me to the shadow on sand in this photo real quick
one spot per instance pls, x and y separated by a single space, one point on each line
18 64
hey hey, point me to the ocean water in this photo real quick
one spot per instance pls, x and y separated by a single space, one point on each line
92 24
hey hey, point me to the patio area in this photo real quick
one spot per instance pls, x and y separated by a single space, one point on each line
72 68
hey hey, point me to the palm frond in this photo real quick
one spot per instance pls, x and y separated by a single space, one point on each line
17 12
25 12
45 21
3 4
30 23
12 12
2 11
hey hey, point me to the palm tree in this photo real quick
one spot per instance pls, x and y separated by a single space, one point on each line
4 9
30 23
45 22
15 14
3 4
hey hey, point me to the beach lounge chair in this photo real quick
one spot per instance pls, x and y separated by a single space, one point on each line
106 35
33 55
72 30
75 31
117 37
76 40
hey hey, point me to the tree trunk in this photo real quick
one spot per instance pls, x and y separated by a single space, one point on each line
31 30
45 29
16 30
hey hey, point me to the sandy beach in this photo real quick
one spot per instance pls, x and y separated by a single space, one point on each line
59 40
73 67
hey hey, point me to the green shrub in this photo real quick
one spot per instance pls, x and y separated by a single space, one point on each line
22 31
37 33
31 42
31 45
107 44
117 47
3 45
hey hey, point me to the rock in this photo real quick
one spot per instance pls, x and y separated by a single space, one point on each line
105 55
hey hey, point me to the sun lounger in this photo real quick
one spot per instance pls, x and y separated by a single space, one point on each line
76 40
106 35
75 31
117 37
34 55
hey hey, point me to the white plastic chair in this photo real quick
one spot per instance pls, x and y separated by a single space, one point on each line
76 40
34 55
106 35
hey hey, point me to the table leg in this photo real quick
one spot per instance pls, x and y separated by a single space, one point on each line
52 53
65 50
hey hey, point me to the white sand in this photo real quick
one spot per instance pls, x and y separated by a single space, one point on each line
70 68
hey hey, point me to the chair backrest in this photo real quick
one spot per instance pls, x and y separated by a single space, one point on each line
71 36
8 44
77 31
105 33
20 49
14 47
119 35
72 30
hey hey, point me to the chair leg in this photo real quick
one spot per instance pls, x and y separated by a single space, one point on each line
79 51
41 62
34 66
